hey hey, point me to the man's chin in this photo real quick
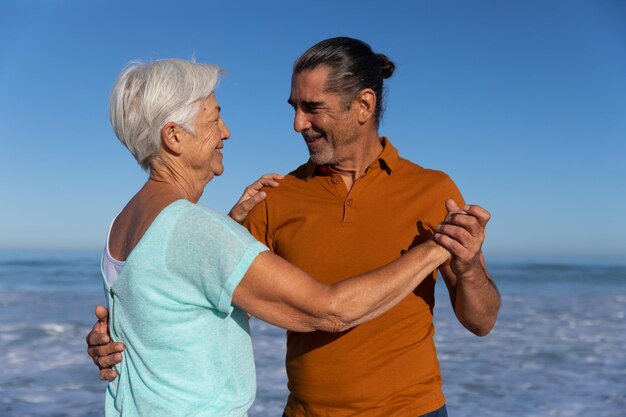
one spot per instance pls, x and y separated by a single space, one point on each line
321 159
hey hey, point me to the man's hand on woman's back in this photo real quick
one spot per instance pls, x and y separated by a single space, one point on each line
104 353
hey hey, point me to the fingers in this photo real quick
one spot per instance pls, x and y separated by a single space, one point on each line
464 229
466 222
271 180
451 215
476 212
453 246
479 213
457 233
97 352
253 195
273 175
452 206
453 211
463 248
108 361
463 236
102 313
249 204
98 336
463 233
108 374
107 355
243 207
267 180
99 347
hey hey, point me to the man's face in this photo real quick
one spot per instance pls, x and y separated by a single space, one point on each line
327 126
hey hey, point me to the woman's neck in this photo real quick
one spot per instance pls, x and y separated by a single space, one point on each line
170 179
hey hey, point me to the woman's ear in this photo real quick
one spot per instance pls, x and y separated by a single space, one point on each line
170 138
365 105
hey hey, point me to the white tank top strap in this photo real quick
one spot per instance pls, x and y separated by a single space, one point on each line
111 267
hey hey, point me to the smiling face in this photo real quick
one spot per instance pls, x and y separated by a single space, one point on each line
327 126
204 153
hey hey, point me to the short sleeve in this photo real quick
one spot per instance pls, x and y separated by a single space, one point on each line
443 188
454 192
449 190
212 253
257 223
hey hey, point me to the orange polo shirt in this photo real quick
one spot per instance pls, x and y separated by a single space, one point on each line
388 366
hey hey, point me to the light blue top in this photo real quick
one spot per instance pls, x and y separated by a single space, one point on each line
188 349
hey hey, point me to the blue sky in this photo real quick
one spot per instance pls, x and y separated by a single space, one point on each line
522 103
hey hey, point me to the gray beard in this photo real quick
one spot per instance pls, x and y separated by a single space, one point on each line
324 158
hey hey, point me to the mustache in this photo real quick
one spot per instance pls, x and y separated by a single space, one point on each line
311 135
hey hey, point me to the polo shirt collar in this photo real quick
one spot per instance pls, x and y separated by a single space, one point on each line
387 160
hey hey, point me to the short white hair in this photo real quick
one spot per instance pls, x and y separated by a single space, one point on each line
145 97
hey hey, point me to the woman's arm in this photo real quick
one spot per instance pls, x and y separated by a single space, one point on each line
279 293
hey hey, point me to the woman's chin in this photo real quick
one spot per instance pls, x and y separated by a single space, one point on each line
218 172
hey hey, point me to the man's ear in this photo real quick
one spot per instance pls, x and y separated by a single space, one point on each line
170 138
365 105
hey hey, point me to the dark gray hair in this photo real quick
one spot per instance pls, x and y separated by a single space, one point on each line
146 97
353 66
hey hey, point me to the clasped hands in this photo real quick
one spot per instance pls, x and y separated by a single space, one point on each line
462 233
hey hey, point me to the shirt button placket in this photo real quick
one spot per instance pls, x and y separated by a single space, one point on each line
347 211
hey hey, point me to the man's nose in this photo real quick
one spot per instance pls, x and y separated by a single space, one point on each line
301 121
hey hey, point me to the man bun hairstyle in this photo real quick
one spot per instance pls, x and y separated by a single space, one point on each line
353 67
388 67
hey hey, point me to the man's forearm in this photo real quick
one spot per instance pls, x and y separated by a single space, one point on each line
475 298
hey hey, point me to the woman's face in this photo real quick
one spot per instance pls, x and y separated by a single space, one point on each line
205 154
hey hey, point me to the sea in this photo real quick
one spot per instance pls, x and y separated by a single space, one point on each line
558 348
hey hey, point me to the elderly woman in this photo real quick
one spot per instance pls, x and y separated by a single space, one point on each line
180 278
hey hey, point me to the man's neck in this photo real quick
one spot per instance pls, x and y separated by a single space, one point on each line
360 156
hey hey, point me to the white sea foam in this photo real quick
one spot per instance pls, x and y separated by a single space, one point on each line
54 328
36 399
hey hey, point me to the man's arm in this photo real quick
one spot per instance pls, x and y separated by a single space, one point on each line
474 296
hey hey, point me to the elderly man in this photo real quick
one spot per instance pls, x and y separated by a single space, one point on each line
354 206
